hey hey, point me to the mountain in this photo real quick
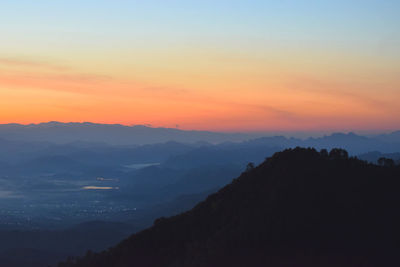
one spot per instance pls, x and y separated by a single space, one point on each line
354 143
22 153
157 184
91 135
115 134
53 164
390 137
226 153
298 208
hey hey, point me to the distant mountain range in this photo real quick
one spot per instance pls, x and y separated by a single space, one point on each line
300 207
114 134
93 135
50 161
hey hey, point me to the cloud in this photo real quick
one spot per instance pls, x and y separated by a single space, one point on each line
72 82
355 92
249 111
280 113
163 89
88 84
32 74
31 63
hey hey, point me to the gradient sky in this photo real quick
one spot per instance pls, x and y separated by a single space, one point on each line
287 65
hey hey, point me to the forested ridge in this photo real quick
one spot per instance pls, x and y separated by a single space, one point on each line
300 207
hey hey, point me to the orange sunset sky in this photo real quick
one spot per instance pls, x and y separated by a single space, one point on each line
204 65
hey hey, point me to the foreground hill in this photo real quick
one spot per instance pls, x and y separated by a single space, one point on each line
298 208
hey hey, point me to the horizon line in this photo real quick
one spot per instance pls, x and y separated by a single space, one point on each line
249 132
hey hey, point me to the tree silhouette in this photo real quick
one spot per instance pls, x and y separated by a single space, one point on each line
386 162
250 166
338 153
324 153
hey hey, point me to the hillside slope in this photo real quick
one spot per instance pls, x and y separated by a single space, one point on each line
298 208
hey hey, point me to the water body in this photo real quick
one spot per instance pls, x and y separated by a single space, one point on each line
138 166
92 187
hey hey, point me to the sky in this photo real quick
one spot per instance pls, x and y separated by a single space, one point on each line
220 65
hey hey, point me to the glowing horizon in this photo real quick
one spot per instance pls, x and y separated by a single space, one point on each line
225 66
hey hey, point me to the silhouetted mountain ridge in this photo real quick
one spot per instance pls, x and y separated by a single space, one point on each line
298 208
115 134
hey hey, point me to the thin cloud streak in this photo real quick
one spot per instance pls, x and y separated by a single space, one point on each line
29 63
338 90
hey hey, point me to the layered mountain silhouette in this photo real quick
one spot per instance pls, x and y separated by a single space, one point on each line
300 207
37 136
115 134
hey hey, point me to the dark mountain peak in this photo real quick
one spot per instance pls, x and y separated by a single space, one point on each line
53 123
300 207
140 126
307 155
349 135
